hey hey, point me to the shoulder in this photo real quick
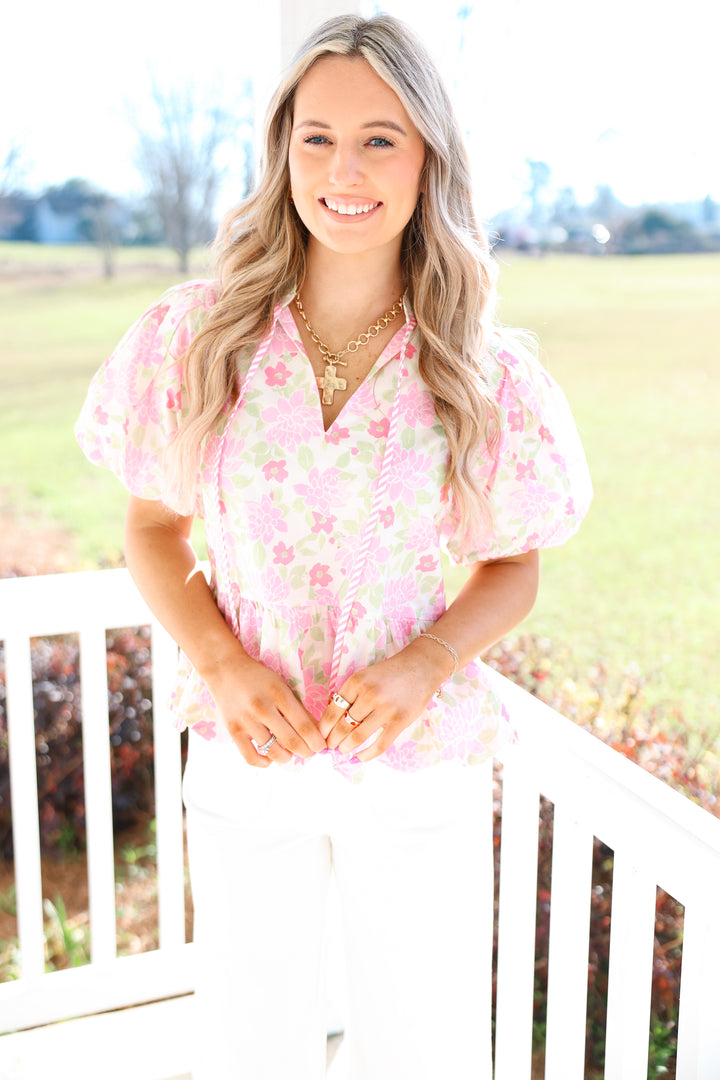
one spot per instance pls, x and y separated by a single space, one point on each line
516 376
511 353
179 301
168 326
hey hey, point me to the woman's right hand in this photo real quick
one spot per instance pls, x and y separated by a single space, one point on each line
254 703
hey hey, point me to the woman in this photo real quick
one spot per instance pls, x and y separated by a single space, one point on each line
339 406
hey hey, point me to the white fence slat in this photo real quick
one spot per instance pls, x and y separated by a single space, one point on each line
516 925
98 792
168 795
24 805
569 946
632 936
485 920
698 1050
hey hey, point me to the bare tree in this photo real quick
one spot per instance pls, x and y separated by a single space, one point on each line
178 157
102 224
11 175
7 169
11 167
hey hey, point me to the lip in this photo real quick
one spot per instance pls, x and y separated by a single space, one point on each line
349 218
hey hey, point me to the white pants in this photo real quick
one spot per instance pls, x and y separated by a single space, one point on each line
412 858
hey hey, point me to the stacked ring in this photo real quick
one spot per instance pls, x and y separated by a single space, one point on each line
339 700
351 720
263 750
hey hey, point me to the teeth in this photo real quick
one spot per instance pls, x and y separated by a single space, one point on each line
340 208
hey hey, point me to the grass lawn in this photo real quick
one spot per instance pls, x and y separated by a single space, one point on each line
632 342
58 321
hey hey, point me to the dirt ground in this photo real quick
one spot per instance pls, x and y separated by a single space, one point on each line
31 545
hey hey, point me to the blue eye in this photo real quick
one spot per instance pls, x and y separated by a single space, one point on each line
379 140
315 140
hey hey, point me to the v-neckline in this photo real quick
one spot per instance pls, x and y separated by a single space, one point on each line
391 350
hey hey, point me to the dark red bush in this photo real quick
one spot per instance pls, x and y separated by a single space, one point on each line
58 732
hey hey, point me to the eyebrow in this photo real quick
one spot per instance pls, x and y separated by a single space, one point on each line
391 124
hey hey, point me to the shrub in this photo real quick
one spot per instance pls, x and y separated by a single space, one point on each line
58 733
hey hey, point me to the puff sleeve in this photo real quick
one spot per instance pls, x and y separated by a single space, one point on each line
136 401
537 480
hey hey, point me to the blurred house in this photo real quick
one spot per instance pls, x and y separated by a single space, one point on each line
72 213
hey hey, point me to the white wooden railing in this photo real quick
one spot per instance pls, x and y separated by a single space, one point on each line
658 838
89 603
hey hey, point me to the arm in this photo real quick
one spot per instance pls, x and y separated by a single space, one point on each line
252 700
392 694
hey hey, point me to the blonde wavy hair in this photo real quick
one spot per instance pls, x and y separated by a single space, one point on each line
448 271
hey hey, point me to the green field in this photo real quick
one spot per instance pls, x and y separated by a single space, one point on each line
632 342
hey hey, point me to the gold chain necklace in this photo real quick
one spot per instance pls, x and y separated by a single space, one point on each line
331 380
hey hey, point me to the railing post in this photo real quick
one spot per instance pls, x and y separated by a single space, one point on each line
24 804
98 789
569 945
516 924
698 1050
168 795
632 938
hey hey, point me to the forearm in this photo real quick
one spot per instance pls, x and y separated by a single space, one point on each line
252 702
165 569
494 599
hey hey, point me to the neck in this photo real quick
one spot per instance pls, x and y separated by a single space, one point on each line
349 292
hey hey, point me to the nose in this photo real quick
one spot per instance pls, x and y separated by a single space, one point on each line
346 166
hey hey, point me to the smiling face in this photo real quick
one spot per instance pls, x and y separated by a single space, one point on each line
355 158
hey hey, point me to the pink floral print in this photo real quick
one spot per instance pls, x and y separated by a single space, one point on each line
293 498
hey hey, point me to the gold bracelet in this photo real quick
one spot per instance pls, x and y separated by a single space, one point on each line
456 660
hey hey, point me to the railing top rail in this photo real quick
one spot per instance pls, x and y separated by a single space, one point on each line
59 603
555 747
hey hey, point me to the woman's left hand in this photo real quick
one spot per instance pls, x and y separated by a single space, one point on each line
385 698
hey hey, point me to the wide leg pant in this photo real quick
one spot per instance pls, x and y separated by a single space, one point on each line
412 858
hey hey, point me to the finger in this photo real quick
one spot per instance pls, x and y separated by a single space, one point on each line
277 753
249 753
284 719
337 706
298 731
268 747
379 744
305 738
360 737
347 723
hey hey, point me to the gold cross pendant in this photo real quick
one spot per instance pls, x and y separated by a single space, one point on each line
330 383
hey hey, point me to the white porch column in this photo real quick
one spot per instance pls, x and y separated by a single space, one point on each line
280 30
297 19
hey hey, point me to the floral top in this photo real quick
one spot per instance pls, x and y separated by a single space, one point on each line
284 503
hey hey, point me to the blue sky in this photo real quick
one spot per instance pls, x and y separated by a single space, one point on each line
623 92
